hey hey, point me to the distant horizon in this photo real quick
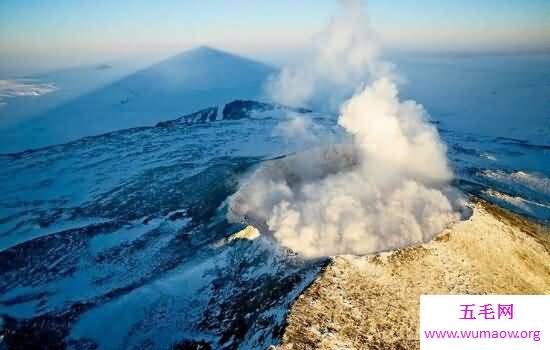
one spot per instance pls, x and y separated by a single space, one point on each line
142 61
38 36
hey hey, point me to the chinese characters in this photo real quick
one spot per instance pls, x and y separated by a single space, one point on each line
486 311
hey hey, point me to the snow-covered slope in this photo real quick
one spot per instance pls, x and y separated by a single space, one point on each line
372 302
120 240
182 84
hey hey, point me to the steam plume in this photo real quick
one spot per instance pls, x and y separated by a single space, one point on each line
387 187
345 56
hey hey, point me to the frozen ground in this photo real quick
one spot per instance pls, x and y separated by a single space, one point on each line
120 240
372 302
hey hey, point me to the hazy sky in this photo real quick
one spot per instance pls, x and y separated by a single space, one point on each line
38 33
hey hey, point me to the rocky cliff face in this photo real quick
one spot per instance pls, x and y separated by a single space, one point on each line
372 302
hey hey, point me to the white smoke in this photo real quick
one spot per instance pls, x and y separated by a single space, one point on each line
344 56
388 187
302 131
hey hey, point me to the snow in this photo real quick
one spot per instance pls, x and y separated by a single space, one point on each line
69 83
122 229
535 182
179 85
491 95
373 301
24 87
126 228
